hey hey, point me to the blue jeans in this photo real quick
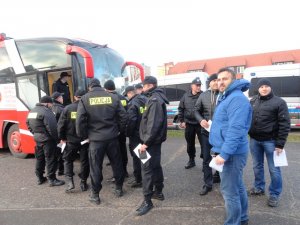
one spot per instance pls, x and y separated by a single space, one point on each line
233 189
258 148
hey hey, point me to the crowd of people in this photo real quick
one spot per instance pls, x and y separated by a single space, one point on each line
97 124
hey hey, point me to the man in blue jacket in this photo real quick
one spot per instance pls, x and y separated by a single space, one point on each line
228 136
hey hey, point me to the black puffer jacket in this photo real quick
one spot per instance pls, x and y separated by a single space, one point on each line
136 106
42 124
186 108
62 88
100 116
153 127
270 119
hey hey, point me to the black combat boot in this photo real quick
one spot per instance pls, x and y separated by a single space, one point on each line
55 182
145 207
118 191
70 184
94 198
191 163
83 185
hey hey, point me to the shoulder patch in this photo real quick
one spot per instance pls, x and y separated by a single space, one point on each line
73 115
123 102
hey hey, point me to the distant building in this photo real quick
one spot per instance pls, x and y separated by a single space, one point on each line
238 63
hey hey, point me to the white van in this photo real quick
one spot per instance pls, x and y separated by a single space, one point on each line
285 81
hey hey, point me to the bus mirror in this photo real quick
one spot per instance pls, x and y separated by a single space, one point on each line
88 60
139 67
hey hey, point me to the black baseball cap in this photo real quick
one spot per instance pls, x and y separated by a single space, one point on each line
197 81
127 89
79 93
46 99
150 80
138 86
56 94
64 74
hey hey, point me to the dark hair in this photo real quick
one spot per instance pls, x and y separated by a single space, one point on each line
229 70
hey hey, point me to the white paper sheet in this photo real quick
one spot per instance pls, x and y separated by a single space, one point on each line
215 166
280 160
62 146
84 142
136 151
209 123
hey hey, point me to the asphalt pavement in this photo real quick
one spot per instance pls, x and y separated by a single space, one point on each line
23 202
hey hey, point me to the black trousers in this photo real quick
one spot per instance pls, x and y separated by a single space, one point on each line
46 156
152 172
69 156
97 150
123 150
133 142
60 161
190 134
205 149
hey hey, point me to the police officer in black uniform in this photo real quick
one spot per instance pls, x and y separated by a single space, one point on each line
135 111
153 131
42 124
110 87
57 109
67 134
62 86
188 121
100 116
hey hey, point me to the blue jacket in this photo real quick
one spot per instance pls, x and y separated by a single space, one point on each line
231 121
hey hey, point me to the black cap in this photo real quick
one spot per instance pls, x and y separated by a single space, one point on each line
64 74
150 80
46 99
94 82
56 94
110 85
79 93
197 81
263 81
138 86
212 77
127 89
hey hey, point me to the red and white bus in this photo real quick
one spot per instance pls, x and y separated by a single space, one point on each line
28 69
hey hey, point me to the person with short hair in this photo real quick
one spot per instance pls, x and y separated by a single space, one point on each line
188 121
268 134
42 124
100 118
229 137
67 134
62 86
153 132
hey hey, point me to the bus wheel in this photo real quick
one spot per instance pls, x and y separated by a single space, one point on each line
14 142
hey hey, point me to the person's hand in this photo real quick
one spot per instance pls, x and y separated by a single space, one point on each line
204 124
182 125
219 160
278 150
63 141
143 147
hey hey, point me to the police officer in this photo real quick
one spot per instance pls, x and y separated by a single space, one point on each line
62 86
204 110
67 134
110 87
153 131
135 111
188 121
57 109
100 116
42 124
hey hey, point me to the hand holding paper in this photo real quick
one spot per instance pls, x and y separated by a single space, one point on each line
280 160
136 151
215 166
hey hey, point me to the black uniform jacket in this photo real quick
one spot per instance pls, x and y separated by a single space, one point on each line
136 106
100 116
153 127
66 125
186 108
62 88
270 119
57 109
42 124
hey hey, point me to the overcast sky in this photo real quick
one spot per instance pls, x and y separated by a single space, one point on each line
156 33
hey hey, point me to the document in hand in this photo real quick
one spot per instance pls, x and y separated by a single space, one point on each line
84 142
136 151
215 166
280 160
62 146
209 123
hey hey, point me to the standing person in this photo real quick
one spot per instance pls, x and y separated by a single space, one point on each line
204 111
62 86
136 106
188 121
268 133
228 136
100 118
42 124
153 132
57 109
67 134
111 88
